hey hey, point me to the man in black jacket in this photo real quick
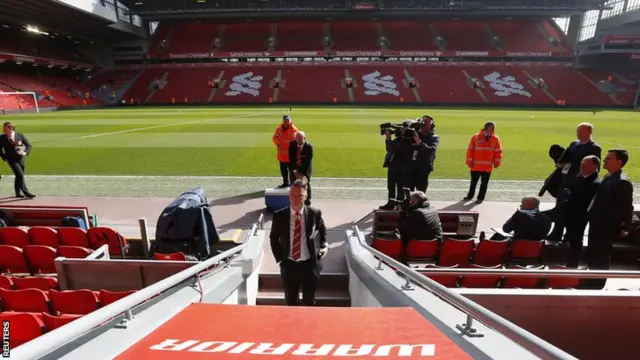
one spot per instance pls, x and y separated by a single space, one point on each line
610 214
421 157
393 159
299 243
570 165
528 223
577 196
14 148
300 161
419 222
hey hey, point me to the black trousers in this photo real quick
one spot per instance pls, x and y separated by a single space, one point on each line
416 181
558 214
19 184
296 276
284 171
484 177
575 237
394 184
293 178
599 255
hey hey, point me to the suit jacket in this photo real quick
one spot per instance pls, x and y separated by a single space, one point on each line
612 209
421 223
8 150
307 157
578 195
281 238
528 225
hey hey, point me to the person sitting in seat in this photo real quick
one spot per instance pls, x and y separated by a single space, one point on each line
527 223
419 221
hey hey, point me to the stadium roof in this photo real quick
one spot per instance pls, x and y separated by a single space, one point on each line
54 16
167 9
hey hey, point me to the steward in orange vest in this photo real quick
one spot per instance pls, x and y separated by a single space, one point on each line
483 154
285 133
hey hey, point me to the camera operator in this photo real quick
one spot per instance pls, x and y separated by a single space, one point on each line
393 163
418 221
422 154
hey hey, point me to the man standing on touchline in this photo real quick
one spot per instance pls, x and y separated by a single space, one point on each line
299 243
14 148
483 154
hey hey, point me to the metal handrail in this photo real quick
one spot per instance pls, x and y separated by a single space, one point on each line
520 336
551 273
51 341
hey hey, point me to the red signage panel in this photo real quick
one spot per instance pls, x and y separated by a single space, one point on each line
212 331
622 39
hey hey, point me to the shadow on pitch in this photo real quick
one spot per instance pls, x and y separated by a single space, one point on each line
246 220
238 199
462 205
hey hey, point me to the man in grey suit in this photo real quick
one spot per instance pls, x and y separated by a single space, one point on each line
610 214
299 243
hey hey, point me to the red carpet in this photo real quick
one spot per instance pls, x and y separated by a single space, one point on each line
211 331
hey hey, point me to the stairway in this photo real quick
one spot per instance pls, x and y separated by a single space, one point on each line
380 31
153 91
545 91
326 33
347 75
491 35
213 90
276 91
332 290
407 78
273 31
436 34
479 91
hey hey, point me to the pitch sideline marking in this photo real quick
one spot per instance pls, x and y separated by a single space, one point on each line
166 125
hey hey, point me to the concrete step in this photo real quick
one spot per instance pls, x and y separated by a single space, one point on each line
323 298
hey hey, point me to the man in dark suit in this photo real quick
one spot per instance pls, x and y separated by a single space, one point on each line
300 160
14 148
610 214
299 243
577 196
527 223
419 221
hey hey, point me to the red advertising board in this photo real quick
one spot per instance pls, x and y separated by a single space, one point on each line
367 53
213 331
622 39
41 61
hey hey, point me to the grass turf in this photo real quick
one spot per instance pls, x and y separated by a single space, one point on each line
237 141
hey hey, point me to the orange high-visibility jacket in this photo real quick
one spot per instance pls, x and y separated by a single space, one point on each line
282 138
483 155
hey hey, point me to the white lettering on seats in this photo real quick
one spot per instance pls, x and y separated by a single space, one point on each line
172 345
406 350
245 84
268 349
505 86
376 85
317 350
309 350
348 350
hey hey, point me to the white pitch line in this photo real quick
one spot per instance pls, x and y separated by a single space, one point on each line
428 190
166 125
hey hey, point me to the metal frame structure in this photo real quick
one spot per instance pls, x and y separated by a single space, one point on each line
35 98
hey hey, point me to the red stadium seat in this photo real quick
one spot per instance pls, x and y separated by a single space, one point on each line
14 236
422 249
79 302
74 252
12 260
563 282
41 235
444 280
36 282
483 282
53 322
170 257
108 297
521 282
526 251
73 236
455 252
389 246
6 282
27 300
100 235
24 327
41 259
491 252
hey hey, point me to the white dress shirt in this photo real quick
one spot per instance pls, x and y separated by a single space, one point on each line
304 250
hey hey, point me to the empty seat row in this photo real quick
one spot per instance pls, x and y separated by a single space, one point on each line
44 283
36 259
509 282
27 326
54 302
464 252
64 236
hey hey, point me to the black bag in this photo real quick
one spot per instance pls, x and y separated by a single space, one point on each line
73 221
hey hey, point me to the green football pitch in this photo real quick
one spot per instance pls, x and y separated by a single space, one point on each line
236 141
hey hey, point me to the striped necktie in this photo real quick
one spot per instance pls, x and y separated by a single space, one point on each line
299 160
297 238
